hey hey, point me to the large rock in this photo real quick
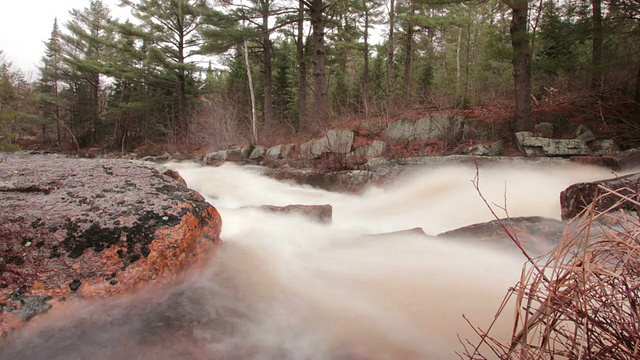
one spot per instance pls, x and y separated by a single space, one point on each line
532 145
314 148
440 127
578 196
340 141
537 235
280 151
74 227
376 149
435 126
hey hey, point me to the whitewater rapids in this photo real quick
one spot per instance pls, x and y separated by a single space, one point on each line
284 287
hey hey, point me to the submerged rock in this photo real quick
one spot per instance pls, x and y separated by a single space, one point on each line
537 235
78 227
320 213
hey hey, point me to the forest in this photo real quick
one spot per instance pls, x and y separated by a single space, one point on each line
197 73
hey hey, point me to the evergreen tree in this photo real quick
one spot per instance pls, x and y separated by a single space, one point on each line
170 30
86 50
51 76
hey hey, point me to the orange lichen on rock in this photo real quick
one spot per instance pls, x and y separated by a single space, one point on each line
73 227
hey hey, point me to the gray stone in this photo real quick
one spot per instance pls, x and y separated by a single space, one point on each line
237 155
401 130
258 152
376 149
533 145
214 158
544 129
314 148
280 151
583 133
340 141
439 126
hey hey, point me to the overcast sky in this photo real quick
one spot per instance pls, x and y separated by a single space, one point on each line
26 25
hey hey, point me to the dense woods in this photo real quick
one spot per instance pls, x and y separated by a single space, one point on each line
214 74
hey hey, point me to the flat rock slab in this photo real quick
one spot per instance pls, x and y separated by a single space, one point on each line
537 235
575 198
79 227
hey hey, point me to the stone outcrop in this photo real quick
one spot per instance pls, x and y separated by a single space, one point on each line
532 145
82 227
340 141
280 151
436 126
577 196
376 149
537 235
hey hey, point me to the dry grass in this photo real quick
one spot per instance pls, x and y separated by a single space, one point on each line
581 301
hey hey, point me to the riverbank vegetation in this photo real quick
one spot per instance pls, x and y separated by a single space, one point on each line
194 74
581 300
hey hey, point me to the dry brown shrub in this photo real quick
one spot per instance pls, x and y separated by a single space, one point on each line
581 301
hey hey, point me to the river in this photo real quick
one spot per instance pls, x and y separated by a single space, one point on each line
284 287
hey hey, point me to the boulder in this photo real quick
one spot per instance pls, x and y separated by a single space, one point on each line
532 145
237 155
78 227
401 130
629 159
578 196
313 149
376 149
340 141
435 126
216 158
320 213
280 151
537 235
439 127
544 129
257 153
584 133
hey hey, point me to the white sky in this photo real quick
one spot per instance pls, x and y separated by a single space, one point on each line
26 25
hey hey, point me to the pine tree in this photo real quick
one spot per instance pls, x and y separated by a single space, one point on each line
170 29
51 75
85 53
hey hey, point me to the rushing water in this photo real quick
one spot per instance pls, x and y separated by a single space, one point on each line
284 287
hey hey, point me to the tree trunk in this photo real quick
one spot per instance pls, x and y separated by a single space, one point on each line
95 108
390 49
636 115
521 65
408 61
321 103
57 112
303 124
365 90
269 124
596 54
254 119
